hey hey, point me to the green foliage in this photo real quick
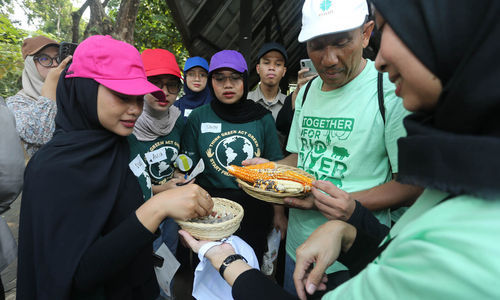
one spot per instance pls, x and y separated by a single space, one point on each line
54 16
11 60
155 28
6 7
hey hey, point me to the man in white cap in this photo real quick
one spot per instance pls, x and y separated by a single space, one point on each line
339 133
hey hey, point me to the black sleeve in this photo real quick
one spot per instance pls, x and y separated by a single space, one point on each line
285 116
363 251
370 233
363 219
111 253
252 284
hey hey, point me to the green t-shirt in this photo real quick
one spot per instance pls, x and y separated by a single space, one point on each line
220 144
340 136
449 251
157 156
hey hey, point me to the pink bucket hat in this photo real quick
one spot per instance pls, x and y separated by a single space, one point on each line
115 64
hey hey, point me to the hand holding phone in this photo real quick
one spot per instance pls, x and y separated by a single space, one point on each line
307 64
66 49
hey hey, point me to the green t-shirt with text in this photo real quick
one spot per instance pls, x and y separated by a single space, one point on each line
157 156
220 144
340 137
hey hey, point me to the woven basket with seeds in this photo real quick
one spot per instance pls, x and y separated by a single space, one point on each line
272 182
224 221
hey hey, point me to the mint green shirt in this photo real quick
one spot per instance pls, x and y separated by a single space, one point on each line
340 136
447 251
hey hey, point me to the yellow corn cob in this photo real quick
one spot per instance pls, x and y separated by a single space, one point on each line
280 186
289 186
267 165
245 174
294 176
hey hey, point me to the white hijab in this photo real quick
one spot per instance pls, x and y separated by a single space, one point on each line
32 81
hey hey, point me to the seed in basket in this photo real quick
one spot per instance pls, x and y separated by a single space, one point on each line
214 218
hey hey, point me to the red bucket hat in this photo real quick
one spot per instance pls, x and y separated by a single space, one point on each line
115 64
160 62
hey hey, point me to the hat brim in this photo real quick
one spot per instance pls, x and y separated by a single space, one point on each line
229 66
34 52
135 87
312 32
163 71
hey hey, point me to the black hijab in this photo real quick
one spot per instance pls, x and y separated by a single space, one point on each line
71 187
192 99
243 111
456 147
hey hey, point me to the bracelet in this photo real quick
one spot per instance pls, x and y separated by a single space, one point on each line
229 260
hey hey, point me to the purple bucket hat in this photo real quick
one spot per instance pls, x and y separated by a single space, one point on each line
228 59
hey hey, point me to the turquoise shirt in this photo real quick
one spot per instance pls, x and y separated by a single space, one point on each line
448 251
340 136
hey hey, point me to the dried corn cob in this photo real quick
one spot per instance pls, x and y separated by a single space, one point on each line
267 185
280 186
294 176
291 186
245 174
267 165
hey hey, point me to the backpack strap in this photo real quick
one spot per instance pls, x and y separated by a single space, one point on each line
308 85
380 93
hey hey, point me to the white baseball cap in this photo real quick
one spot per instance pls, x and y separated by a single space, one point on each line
321 17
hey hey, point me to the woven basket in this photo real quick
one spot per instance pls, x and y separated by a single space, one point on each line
216 231
270 196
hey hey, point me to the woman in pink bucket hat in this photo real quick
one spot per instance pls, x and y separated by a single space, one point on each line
85 230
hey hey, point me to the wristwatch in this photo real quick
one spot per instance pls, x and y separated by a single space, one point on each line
229 260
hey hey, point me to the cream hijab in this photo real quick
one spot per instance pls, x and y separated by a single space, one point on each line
32 81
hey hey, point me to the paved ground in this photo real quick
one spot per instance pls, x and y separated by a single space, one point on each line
183 281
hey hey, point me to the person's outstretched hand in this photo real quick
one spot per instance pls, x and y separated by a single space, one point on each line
318 252
216 254
185 202
254 161
332 202
50 84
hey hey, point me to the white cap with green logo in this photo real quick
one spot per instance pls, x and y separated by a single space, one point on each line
321 17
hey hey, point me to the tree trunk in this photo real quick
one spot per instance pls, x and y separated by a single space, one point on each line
77 16
99 22
125 21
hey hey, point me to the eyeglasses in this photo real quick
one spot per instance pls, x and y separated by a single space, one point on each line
196 74
172 86
233 78
46 60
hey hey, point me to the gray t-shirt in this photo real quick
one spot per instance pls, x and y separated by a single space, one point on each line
274 105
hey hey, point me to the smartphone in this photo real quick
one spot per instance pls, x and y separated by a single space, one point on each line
66 49
307 63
